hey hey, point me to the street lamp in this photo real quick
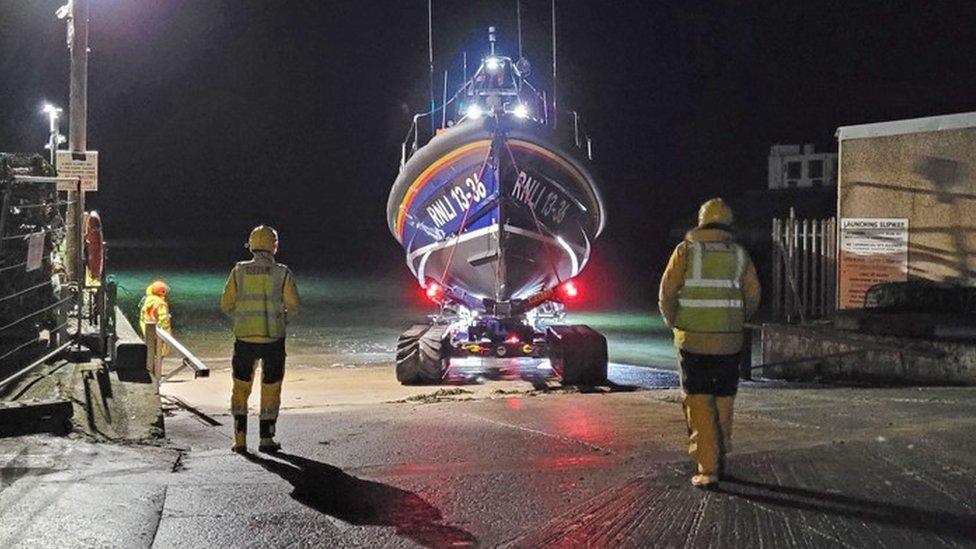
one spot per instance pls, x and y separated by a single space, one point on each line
55 139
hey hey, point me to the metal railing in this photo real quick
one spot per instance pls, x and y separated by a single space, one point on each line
34 307
804 264
155 340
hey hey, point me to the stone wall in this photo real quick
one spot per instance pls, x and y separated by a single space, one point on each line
823 353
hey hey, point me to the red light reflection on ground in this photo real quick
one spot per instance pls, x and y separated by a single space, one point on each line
582 423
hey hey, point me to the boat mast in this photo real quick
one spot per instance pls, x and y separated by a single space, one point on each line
430 62
518 21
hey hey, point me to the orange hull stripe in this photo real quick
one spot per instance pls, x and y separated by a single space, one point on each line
425 176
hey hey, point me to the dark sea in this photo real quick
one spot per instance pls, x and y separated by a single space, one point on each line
347 319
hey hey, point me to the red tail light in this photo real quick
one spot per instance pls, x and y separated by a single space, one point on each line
513 339
568 290
435 292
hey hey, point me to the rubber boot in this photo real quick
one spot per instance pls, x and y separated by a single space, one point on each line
240 434
238 408
704 443
268 444
724 406
270 404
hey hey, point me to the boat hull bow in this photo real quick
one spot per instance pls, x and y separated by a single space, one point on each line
495 212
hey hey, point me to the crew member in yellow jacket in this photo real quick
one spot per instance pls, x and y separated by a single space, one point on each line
709 289
261 297
154 307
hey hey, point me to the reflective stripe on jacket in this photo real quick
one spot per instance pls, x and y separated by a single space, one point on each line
154 307
711 299
673 283
259 309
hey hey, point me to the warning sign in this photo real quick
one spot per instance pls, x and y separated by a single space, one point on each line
872 251
78 164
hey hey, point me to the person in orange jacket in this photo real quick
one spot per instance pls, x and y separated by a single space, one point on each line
708 290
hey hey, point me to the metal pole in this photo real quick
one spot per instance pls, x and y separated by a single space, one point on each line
77 125
80 260
555 108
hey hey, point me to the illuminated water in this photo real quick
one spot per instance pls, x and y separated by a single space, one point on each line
348 320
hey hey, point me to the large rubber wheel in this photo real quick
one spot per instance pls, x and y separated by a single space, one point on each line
579 354
422 356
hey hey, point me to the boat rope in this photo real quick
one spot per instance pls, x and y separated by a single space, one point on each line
538 226
464 220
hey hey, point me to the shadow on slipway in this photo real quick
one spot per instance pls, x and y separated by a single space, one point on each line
331 491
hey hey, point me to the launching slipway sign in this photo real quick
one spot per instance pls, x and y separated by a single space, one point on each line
872 251
82 165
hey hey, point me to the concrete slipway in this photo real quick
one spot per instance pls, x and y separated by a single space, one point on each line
508 463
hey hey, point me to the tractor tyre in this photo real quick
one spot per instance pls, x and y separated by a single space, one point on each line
422 356
579 354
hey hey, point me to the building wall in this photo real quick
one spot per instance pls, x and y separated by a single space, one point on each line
928 178
793 166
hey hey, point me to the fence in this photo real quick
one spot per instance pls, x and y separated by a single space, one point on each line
33 294
804 263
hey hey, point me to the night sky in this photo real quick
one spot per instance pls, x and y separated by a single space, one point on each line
214 116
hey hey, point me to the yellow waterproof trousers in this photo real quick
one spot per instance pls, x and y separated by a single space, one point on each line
709 431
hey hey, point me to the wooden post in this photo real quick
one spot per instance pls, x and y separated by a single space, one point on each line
804 279
777 269
836 246
815 280
788 270
152 352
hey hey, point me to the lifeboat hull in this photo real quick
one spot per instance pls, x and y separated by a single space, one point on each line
495 210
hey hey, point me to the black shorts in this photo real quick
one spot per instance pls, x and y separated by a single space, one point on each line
272 356
709 374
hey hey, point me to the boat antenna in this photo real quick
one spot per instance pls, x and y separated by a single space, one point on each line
554 107
491 39
430 61
518 20
444 104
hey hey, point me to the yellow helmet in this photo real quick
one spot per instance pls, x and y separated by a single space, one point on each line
263 239
714 211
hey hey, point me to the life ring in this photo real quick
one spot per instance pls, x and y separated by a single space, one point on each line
94 246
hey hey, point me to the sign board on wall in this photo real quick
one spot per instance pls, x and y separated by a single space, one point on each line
78 164
872 251
35 251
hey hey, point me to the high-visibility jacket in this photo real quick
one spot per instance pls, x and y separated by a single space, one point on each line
155 308
680 267
711 298
259 295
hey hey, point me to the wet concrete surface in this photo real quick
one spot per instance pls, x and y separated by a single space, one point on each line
509 463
